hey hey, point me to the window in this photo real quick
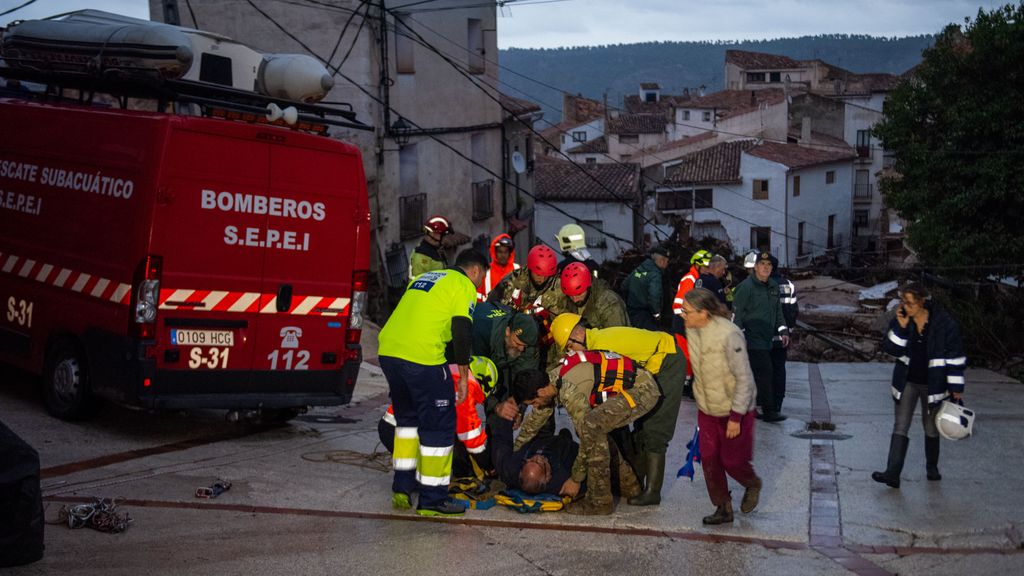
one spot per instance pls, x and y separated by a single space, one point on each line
579 136
629 138
475 46
755 76
760 189
831 242
650 96
686 115
404 46
411 213
796 186
215 69
863 143
595 239
398 266
830 177
591 160
862 184
483 205
775 77
761 238
800 239
860 219
706 116
684 199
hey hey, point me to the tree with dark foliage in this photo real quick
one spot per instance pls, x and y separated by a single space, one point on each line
956 127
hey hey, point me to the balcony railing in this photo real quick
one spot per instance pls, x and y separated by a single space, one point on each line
862 192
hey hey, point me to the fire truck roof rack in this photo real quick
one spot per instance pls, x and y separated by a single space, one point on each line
165 91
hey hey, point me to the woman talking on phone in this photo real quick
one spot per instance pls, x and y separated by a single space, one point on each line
930 364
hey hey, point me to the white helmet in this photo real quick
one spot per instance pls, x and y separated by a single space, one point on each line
954 421
750 260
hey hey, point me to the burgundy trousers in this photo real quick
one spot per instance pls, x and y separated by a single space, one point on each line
721 456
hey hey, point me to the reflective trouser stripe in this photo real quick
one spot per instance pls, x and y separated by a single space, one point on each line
954 379
936 362
407 446
435 465
960 361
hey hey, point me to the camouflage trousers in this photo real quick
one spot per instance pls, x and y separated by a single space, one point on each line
593 433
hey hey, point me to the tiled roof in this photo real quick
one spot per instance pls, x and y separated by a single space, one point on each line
666 102
579 109
561 180
796 156
820 141
738 99
637 124
517 106
595 146
719 164
759 60
666 147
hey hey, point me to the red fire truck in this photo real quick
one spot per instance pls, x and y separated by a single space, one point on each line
167 261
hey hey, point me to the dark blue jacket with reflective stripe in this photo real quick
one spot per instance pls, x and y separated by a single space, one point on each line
946 359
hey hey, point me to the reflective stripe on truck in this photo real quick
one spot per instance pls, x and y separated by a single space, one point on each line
60 277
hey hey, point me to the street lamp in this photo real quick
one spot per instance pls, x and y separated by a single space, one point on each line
400 132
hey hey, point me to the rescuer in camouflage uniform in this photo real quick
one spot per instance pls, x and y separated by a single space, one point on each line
593 299
573 390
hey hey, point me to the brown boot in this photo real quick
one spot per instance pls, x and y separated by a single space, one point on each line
591 507
722 515
751 497
629 485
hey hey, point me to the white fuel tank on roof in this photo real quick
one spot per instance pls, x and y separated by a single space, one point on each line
91 41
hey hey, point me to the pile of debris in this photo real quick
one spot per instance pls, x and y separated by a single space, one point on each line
840 321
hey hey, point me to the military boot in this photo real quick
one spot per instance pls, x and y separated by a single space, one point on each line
897 453
931 452
592 506
655 466
629 485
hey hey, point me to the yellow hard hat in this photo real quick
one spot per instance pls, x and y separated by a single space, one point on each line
562 327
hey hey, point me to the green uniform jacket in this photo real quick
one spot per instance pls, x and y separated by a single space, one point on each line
603 309
643 288
757 310
489 324
574 396
516 290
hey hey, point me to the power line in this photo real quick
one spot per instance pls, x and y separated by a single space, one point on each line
656 228
195 22
16 8
419 38
344 28
437 139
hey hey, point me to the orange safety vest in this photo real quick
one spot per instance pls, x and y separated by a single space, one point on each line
468 426
614 374
685 285
495 272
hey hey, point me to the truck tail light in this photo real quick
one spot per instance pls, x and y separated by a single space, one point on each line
147 296
356 307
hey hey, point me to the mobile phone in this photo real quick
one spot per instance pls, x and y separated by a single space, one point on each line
902 312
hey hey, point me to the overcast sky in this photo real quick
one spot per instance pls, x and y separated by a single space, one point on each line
554 23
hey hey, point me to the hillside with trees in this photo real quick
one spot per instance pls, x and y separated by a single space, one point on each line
619 69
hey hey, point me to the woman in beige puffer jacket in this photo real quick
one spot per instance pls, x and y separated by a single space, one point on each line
724 390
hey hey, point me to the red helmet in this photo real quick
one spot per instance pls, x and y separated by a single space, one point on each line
438 225
575 279
542 261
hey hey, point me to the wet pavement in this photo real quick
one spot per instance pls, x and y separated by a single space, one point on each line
308 497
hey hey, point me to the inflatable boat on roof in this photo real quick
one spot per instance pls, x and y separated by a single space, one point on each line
101 43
